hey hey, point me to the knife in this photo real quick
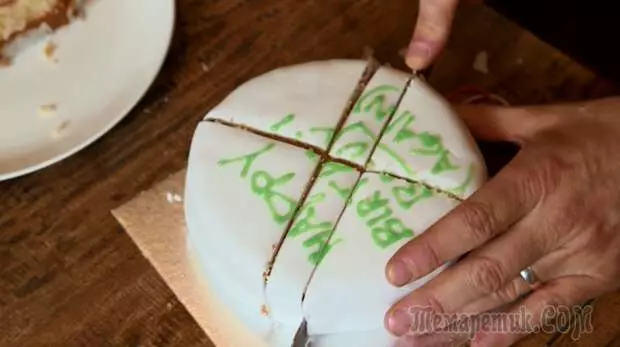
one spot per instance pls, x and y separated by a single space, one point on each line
301 337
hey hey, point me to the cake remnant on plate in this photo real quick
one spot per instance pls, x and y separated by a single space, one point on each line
24 21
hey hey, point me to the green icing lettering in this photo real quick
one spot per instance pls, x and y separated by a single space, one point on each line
358 148
385 229
444 164
376 99
429 145
299 135
248 159
387 212
392 231
331 168
405 132
371 204
460 190
319 231
411 194
386 178
289 118
430 140
328 133
433 146
263 185
396 157
312 155
344 193
404 116
322 245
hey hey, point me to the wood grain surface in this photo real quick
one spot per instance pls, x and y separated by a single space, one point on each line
69 274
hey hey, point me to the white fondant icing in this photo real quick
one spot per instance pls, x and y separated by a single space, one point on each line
303 102
303 247
363 127
349 291
426 141
234 232
231 227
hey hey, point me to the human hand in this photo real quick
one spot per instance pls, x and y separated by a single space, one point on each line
554 207
431 32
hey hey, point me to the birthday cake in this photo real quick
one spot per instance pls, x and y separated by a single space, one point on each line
303 183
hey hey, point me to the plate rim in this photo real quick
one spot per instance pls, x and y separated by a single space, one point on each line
79 146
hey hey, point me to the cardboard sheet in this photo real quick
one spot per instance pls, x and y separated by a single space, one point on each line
155 221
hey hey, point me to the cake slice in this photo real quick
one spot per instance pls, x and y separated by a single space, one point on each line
22 21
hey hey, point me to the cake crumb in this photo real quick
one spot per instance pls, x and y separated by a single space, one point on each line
264 311
481 63
61 130
49 51
519 61
47 111
173 198
205 67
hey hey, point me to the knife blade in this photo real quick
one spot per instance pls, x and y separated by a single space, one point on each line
301 337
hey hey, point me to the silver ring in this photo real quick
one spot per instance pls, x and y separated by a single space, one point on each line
529 276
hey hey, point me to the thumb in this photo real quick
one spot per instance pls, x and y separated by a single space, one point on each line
500 123
431 33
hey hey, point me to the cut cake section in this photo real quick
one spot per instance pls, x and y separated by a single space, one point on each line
308 240
362 129
303 102
22 21
427 142
255 193
384 214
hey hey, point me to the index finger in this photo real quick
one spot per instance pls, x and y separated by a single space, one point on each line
490 211
431 32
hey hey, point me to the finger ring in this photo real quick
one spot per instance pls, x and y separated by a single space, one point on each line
529 276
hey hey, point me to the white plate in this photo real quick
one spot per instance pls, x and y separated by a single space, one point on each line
106 62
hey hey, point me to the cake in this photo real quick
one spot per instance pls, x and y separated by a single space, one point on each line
22 21
304 181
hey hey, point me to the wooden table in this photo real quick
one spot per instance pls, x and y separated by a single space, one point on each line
69 274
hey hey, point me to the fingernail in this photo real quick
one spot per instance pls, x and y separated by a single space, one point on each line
398 273
418 55
398 322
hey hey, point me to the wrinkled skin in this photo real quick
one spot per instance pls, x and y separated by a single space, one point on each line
554 207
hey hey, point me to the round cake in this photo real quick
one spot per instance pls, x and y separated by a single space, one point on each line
304 182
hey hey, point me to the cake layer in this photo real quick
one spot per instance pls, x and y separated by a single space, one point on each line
362 129
308 241
240 196
27 20
301 102
349 291
427 142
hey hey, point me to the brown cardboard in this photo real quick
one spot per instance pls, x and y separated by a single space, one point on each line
155 221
